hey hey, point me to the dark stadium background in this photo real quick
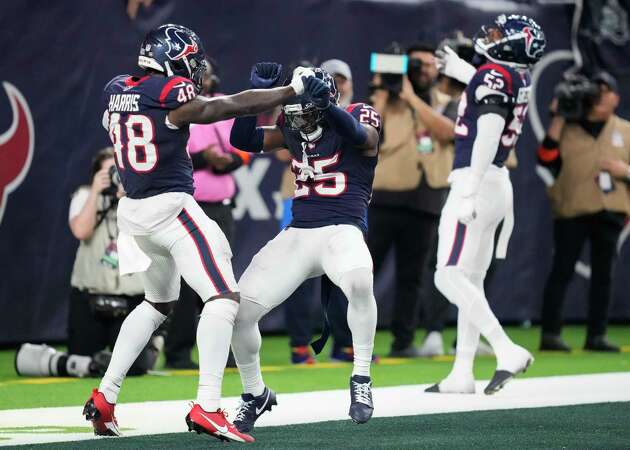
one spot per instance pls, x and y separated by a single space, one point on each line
60 54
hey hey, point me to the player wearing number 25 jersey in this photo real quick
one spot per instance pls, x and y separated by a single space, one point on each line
163 232
334 152
491 114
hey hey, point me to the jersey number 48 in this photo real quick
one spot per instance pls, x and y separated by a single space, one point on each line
135 136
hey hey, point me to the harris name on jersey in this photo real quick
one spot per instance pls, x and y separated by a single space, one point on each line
123 103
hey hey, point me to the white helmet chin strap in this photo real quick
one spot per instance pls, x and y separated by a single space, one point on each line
313 135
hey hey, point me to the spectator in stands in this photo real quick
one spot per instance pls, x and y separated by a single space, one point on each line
589 157
340 70
100 298
213 160
409 188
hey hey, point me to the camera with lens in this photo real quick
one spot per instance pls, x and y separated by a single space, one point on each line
392 65
114 177
576 96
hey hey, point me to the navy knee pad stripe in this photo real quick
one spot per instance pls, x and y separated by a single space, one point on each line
205 253
458 244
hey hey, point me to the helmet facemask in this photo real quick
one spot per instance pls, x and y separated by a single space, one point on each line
304 118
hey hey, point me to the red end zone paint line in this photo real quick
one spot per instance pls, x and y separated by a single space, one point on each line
46 424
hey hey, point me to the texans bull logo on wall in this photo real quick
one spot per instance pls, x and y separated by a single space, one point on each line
16 146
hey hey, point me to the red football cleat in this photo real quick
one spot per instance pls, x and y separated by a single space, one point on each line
215 424
101 413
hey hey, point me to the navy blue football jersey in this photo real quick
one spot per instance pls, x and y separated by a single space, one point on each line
491 79
150 153
333 179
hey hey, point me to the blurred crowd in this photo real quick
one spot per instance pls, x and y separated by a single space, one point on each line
586 150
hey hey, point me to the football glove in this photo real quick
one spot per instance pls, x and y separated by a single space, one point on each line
466 212
265 74
451 65
300 74
318 91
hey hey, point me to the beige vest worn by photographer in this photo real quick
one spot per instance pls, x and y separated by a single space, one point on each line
437 164
90 274
577 190
398 167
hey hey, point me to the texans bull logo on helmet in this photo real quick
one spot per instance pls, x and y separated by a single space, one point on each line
179 44
16 146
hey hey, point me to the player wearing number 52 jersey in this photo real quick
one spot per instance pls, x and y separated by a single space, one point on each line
334 153
491 114
163 232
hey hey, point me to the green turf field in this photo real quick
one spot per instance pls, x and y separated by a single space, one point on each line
17 392
587 426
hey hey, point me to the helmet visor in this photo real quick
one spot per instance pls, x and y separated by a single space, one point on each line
304 118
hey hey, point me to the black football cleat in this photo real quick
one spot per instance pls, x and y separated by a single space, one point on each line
502 377
433 389
251 408
361 406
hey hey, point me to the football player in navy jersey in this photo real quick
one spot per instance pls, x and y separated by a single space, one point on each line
491 113
334 152
163 232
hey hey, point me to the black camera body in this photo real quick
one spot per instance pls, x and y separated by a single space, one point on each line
576 96
114 177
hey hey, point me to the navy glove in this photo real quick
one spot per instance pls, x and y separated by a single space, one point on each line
265 74
318 91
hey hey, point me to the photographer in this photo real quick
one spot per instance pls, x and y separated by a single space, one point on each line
410 181
587 148
100 298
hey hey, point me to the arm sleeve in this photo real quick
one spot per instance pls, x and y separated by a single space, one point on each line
345 125
199 162
246 136
237 161
489 129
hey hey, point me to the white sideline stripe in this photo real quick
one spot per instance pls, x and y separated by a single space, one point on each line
168 416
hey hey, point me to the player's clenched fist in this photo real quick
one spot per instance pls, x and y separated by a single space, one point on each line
265 74
300 75
318 91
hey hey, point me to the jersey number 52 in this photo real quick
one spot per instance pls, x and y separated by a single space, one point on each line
135 136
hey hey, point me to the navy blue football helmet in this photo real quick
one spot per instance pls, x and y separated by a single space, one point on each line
174 50
513 40
301 114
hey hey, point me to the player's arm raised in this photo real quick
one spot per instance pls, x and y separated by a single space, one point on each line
361 134
208 110
245 135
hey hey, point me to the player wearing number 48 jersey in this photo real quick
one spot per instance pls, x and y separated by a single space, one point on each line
334 153
163 232
491 114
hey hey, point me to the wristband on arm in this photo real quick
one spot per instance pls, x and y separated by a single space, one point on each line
549 155
346 126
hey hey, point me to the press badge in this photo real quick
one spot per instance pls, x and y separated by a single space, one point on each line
617 139
606 182
424 143
110 257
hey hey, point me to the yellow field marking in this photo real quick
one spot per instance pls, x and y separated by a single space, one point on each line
45 380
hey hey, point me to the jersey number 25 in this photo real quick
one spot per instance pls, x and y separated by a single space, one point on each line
136 137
